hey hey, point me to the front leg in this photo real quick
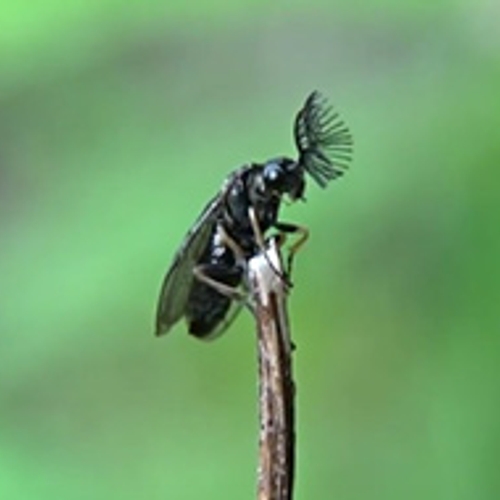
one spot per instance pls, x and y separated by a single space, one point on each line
303 235
261 244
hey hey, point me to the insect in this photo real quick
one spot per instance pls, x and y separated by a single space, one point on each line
203 284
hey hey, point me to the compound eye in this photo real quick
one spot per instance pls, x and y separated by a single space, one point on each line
272 174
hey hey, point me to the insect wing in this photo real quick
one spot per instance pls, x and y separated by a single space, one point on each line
231 315
177 283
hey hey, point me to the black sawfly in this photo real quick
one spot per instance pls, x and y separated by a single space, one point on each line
204 282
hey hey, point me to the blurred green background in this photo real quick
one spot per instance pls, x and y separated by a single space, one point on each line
119 121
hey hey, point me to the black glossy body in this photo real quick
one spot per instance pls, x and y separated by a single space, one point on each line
206 308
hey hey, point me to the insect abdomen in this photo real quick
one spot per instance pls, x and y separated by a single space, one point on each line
206 307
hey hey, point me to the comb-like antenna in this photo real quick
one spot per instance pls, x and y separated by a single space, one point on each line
322 139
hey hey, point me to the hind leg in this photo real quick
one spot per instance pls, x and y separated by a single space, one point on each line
213 275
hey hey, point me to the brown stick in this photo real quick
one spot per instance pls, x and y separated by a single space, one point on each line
268 292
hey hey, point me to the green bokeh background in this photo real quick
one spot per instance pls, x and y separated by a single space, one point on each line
119 121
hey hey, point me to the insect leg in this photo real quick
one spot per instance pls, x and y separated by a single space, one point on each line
230 243
259 237
257 231
202 273
303 235
280 238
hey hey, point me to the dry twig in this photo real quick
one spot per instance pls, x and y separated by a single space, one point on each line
268 293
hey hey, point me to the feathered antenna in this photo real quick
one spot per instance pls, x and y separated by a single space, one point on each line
322 139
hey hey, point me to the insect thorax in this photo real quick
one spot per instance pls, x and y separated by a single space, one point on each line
247 193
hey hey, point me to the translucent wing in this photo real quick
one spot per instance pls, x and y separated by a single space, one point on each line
322 139
231 315
177 283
